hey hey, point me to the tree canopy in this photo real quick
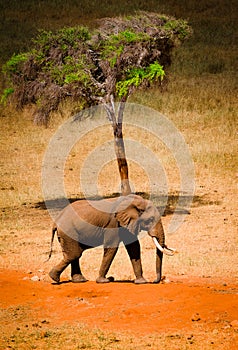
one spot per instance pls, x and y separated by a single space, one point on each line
93 65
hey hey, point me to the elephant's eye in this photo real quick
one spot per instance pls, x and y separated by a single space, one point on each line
149 221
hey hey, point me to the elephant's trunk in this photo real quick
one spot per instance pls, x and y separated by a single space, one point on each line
159 259
158 237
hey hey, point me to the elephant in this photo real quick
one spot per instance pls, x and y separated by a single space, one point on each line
85 224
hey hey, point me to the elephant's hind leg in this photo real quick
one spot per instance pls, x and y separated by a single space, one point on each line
72 251
58 269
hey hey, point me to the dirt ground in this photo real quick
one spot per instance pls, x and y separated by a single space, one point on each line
180 306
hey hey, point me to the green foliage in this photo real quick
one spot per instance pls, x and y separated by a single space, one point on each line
72 77
112 52
79 76
154 72
63 38
178 27
137 76
114 45
6 93
14 64
128 36
69 71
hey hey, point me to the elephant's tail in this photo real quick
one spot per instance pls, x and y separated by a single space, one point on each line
54 229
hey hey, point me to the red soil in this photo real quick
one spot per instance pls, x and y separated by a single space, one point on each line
119 306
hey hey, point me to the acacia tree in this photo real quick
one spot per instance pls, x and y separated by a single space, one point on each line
100 66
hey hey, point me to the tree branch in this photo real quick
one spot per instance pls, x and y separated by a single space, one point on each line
110 109
121 109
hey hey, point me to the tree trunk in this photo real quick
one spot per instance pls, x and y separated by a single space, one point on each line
119 147
121 159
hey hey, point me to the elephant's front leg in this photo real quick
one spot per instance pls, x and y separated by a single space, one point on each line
108 256
76 274
133 249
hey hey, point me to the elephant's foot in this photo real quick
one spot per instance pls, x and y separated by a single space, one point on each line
78 279
103 280
140 280
55 275
159 278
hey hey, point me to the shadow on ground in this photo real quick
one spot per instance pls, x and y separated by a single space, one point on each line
169 208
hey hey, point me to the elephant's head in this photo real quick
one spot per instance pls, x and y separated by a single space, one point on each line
136 214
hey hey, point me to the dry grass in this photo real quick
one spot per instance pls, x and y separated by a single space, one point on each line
40 335
204 110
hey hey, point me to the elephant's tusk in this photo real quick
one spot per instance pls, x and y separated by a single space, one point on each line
165 250
157 244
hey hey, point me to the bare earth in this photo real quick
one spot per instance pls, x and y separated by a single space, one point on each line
181 306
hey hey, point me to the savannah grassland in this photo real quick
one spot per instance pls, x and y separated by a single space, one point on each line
200 99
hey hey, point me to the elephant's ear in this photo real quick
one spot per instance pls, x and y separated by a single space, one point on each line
129 211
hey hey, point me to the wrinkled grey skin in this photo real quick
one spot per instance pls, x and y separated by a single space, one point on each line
87 224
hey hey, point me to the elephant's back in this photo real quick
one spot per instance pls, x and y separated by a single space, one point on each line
97 213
